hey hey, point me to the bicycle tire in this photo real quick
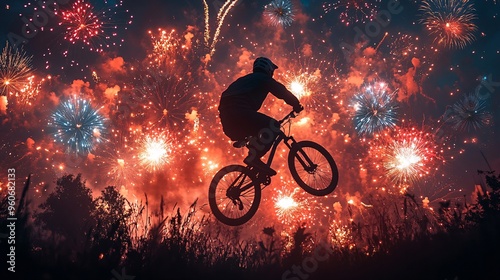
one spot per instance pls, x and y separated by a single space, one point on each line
217 195
326 165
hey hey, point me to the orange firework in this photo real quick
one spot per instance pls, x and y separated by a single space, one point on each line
450 21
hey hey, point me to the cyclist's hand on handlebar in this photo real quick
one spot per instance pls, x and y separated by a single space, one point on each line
298 108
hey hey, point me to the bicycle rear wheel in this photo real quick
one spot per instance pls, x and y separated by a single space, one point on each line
234 195
313 168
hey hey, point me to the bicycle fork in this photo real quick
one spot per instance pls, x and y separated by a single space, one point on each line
302 157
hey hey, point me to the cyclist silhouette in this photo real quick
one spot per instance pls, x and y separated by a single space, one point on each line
239 106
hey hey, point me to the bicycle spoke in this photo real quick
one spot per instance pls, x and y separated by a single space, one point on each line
235 198
322 176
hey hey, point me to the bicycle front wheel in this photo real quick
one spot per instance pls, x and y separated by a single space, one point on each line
313 168
234 195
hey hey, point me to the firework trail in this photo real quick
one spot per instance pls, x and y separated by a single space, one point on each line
15 71
221 15
450 21
206 33
375 109
279 12
79 126
469 113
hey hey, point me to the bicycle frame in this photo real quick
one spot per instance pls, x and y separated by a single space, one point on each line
289 142
309 166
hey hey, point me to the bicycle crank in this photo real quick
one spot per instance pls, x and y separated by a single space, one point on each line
233 193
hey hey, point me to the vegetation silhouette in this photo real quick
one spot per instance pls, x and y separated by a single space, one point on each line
73 236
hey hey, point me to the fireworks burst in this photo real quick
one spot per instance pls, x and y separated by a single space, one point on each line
470 113
121 165
450 21
299 86
164 47
408 156
85 24
15 70
375 109
156 151
354 11
79 126
301 83
279 12
286 205
28 92
405 155
167 97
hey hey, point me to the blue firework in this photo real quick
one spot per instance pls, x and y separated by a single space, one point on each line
375 110
279 12
78 125
470 113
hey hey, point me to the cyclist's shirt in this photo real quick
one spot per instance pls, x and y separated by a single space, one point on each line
250 91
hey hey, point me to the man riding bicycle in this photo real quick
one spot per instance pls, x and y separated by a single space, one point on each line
239 105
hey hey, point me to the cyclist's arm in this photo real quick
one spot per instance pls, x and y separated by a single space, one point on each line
280 91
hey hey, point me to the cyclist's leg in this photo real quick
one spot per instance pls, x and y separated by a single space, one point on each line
264 130
233 125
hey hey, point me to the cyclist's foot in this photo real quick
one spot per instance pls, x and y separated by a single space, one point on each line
258 164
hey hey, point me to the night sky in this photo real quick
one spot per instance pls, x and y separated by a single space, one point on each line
399 56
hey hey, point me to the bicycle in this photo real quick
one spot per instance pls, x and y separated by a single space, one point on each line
235 191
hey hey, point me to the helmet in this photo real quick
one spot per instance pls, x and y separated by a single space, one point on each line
265 65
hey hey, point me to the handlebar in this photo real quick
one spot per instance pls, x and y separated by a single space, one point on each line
291 115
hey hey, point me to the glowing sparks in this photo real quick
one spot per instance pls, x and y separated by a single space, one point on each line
298 89
15 70
300 85
375 109
286 205
156 151
279 12
165 46
82 24
354 11
341 236
79 126
450 21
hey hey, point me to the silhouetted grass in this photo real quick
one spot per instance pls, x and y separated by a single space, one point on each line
393 237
